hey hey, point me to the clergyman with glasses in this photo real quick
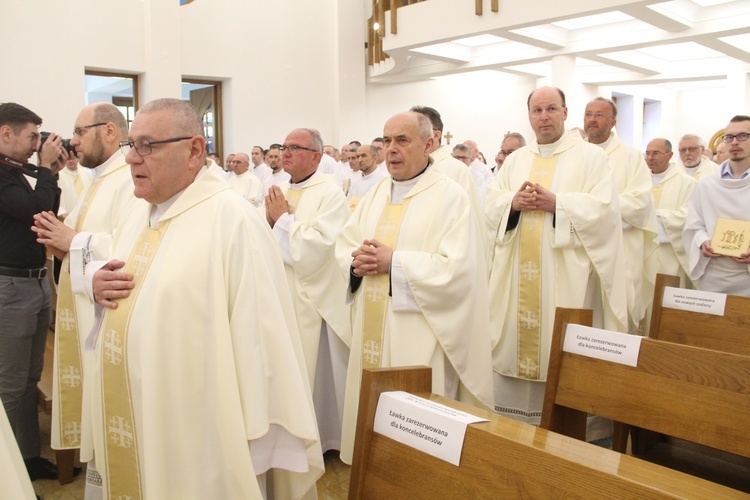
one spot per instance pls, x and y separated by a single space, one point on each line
85 235
692 151
724 194
554 221
306 215
671 189
198 349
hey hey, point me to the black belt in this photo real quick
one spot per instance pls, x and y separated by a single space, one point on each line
23 273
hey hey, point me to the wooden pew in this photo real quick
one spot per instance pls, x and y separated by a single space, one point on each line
501 458
695 394
728 333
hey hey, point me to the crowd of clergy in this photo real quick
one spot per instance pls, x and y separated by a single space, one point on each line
405 251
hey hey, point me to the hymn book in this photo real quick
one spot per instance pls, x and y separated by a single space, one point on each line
731 237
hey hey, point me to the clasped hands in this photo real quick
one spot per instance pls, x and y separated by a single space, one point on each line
371 258
53 233
276 205
531 196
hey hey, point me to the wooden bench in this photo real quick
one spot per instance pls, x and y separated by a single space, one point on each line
728 333
501 458
699 395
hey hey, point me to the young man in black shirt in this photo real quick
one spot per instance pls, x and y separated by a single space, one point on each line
25 297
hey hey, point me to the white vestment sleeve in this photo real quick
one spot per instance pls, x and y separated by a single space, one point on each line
403 298
281 231
662 231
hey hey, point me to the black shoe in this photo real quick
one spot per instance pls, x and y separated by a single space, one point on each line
40 468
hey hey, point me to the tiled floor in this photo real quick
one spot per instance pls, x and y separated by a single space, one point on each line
334 485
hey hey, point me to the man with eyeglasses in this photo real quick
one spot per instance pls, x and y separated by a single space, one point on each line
463 153
412 251
695 162
511 142
306 217
633 184
198 349
25 296
724 194
671 189
245 183
86 235
554 218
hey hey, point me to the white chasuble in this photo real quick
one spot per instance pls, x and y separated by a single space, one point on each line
215 368
582 262
100 209
442 261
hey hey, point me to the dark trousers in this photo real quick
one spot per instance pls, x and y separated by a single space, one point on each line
25 314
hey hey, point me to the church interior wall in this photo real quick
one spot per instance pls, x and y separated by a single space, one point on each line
285 65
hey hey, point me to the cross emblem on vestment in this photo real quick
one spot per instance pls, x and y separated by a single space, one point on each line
120 432
529 320
448 136
529 271
71 376
372 352
375 294
528 368
113 347
141 259
72 432
66 319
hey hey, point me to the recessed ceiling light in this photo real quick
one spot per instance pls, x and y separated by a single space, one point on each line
679 52
591 21
479 40
742 42
709 3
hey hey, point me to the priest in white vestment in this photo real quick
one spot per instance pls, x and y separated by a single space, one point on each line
14 477
86 235
724 194
72 181
671 190
278 177
555 221
307 216
692 155
198 387
244 182
412 254
633 182
369 175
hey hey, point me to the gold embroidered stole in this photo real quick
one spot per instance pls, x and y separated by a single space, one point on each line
293 196
78 183
67 346
376 287
530 277
656 192
122 477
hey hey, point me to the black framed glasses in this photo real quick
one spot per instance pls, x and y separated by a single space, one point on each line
80 130
294 149
144 147
742 137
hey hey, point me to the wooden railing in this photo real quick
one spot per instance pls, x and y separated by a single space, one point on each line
375 35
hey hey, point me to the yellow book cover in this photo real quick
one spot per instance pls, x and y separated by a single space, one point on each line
731 237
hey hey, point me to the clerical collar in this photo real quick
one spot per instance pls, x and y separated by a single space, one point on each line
547 150
300 183
100 169
412 178
158 210
25 168
605 144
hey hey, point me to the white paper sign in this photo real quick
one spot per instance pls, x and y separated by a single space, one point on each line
694 300
428 426
602 344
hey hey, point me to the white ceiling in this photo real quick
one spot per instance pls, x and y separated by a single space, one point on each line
672 43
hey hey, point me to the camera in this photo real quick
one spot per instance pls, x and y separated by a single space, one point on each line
65 143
